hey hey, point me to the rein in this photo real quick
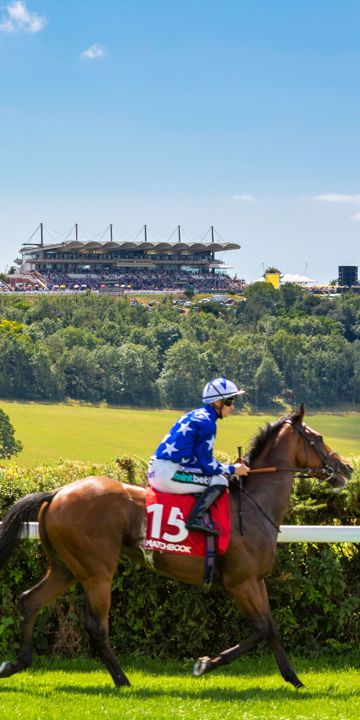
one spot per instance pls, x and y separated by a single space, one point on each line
304 472
244 492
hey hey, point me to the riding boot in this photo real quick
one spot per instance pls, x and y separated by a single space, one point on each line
195 520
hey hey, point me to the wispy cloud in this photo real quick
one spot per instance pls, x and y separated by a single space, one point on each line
356 217
18 18
338 198
244 198
93 52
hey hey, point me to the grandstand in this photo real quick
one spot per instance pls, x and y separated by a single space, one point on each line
139 265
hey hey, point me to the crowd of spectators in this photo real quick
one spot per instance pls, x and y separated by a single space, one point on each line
140 281
154 280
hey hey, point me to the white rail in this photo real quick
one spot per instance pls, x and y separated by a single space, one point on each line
320 533
289 533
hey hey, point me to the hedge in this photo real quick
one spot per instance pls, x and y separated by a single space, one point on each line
314 589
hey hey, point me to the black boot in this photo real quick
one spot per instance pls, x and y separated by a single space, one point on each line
195 520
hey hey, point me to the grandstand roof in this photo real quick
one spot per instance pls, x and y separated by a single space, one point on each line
128 245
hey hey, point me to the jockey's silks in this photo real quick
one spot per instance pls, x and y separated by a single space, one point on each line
190 443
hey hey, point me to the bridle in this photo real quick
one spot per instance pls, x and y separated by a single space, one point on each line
328 472
331 466
330 469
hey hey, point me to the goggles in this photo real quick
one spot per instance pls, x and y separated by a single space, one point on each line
229 401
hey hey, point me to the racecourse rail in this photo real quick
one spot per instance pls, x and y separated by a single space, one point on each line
288 533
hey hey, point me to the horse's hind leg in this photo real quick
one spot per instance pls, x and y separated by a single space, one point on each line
56 581
252 600
98 595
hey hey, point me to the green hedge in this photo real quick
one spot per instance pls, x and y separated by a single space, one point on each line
314 589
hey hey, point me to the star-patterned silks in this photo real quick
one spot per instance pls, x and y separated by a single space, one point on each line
190 443
184 428
214 463
170 448
199 415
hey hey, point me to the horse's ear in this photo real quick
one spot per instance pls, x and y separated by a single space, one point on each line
298 415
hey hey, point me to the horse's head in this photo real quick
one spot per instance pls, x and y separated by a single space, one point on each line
312 453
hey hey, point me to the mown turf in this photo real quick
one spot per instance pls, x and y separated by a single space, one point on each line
98 434
249 689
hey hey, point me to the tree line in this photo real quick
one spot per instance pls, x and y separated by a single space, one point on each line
279 345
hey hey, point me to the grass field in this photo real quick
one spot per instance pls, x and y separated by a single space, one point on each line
249 689
98 434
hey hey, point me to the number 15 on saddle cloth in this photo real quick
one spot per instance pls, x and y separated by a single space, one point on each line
165 528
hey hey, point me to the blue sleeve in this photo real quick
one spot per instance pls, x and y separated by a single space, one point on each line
204 452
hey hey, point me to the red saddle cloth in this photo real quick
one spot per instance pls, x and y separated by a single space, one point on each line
165 528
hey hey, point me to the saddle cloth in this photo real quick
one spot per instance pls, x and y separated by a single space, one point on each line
165 527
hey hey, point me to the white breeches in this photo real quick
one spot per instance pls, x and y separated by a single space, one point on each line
170 477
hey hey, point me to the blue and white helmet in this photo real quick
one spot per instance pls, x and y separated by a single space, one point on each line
220 389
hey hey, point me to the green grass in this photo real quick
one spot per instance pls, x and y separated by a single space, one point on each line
249 689
98 434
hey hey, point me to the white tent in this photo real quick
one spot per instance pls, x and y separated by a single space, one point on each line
290 278
299 279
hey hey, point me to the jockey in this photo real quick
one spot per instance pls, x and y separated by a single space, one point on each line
184 463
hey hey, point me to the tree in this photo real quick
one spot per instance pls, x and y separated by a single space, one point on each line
245 354
356 374
81 374
181 379
268 381
127 374
189 292
291 294
16 379
272 269
8 445
78 337
166 334
261 299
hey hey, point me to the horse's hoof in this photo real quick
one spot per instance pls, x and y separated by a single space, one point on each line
6 669
201 666
299 685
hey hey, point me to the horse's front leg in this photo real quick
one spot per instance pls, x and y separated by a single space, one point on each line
252 600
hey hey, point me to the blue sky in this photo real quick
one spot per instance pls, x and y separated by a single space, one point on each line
243 115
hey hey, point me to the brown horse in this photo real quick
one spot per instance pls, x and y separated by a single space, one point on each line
84 525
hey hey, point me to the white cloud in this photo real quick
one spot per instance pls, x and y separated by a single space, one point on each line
338 198
356 217
93 52
244 198
19 19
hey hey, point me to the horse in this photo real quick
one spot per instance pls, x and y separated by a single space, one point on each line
84 526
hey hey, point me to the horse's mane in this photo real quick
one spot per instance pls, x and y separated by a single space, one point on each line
266 434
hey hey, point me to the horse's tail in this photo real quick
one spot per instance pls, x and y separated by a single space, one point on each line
24 510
